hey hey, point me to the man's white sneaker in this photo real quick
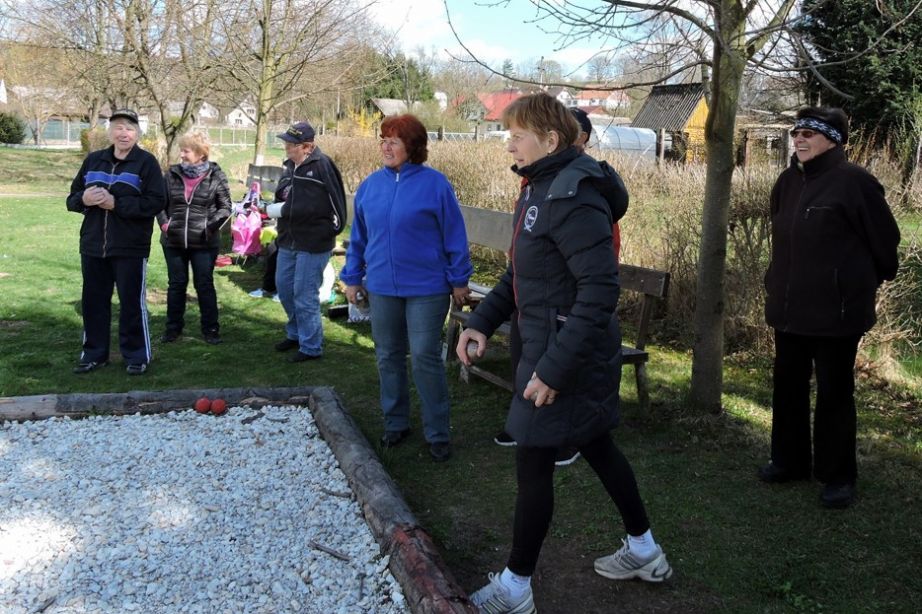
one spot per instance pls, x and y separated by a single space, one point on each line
624 565
494 598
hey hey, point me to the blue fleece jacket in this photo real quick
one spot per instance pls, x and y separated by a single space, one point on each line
408 236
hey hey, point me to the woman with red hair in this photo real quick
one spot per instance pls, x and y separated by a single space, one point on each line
408 253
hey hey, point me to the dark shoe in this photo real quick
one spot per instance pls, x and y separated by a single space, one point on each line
392 438
837 496
169 336
440 451
301 357
212 338
286 344
566 456
136 369
773 474
86 367
504 439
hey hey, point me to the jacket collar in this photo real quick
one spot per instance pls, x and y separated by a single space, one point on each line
132 153
406 169
313 157
821 163
548 165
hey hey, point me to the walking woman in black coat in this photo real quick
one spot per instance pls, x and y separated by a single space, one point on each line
198 204
563 284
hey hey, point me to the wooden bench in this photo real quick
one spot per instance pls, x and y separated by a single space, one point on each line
493 229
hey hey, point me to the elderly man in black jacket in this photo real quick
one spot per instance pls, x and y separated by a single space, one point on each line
311 209
834 241
118 190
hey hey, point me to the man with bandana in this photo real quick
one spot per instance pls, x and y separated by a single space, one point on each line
834 241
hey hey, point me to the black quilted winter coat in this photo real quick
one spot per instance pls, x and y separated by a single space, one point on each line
563 283
195 223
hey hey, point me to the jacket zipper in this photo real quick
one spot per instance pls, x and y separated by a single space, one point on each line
185 232
390 210
105 219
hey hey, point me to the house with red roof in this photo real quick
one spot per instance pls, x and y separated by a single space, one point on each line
494 103
611 100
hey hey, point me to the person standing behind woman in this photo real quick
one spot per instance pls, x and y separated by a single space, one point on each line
118 190
198 204
834 241
311 211
563 283
409 241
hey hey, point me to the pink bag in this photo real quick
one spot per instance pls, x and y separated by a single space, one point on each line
245 230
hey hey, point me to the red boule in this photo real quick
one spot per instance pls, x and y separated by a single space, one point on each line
218 407
203 405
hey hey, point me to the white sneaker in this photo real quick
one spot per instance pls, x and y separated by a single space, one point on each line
494 598
624 565
258 293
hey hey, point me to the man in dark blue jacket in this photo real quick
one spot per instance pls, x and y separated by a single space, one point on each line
311 211
118 190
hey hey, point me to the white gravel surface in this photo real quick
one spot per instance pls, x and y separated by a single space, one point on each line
183 512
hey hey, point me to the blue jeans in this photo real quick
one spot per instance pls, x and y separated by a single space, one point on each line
178 261
298 276
415 321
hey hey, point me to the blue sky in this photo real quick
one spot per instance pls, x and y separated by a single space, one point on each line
492 33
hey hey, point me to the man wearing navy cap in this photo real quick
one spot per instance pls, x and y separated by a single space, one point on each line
311 210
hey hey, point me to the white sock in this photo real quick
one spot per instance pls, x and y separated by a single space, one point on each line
642 545
517 585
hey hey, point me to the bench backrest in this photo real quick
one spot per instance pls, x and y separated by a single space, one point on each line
267 176
493 229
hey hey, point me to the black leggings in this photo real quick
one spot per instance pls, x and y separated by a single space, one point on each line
534 505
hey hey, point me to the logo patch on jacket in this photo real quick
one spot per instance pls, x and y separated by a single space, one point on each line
531 216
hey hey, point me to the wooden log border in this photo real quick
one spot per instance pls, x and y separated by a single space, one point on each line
427 582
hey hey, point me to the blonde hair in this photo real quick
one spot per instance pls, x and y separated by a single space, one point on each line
541 114
197 142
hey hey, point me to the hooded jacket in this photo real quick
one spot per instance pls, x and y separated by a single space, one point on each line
834 241
408 236
315 204
195 222
136 183
563 283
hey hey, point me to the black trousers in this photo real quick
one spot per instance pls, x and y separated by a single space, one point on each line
534 505
129 275
272 258
832 359
178 262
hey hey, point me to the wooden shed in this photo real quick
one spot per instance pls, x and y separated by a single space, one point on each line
681 111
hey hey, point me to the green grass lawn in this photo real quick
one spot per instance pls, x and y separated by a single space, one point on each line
737 545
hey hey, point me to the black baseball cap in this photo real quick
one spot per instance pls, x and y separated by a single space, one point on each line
301 132
124 114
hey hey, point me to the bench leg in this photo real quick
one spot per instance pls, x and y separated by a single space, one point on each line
452 332
643 390
464 374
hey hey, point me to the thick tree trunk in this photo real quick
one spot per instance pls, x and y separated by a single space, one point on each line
708 349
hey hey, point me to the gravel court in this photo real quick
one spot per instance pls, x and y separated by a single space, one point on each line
183 512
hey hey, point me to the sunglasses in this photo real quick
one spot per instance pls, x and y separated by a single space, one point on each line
294 132
807 134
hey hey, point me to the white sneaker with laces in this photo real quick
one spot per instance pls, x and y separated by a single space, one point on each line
624 565
494 598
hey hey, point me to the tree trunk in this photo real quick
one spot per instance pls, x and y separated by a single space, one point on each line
708 349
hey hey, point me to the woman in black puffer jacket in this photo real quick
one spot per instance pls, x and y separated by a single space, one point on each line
198 204
563 284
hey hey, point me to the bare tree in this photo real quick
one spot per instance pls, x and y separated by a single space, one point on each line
280 51
156 55
36 89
